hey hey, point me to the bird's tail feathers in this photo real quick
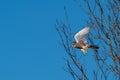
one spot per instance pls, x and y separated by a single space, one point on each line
93 46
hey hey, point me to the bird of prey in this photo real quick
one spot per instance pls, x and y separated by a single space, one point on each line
81 42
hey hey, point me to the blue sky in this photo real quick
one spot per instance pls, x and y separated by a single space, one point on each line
29 44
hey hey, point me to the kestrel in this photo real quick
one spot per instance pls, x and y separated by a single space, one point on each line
81 42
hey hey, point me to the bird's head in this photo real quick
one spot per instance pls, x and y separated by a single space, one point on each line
74 44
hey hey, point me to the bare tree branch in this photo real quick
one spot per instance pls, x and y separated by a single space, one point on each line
104 20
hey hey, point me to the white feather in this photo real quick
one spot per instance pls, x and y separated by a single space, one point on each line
80 36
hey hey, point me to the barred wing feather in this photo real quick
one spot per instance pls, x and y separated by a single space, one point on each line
79 37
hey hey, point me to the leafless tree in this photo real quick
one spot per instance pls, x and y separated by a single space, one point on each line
104 20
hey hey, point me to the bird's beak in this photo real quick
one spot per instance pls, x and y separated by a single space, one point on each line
73 44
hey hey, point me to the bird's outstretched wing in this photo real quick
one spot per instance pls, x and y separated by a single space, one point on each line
79 37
